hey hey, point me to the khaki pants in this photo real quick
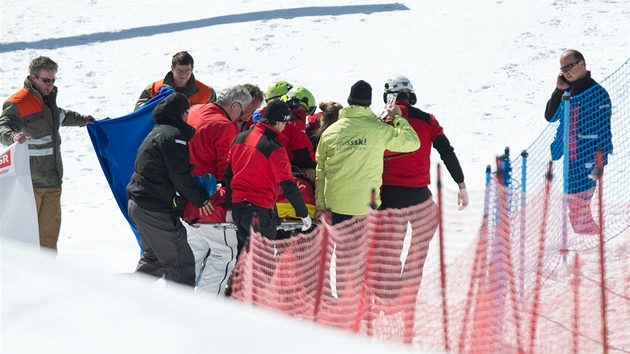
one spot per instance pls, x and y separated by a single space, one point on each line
48 204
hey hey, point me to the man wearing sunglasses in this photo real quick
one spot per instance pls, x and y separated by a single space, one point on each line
590 111
32 114
244 122
181 79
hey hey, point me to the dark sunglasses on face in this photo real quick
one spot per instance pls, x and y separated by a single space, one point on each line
46 80
568 67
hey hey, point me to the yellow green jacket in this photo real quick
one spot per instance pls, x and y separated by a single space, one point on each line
350 159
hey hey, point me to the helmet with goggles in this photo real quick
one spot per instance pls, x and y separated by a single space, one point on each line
300 96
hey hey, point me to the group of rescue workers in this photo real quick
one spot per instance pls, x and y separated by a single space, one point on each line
226 159
214 160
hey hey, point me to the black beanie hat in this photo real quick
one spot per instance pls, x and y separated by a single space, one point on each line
174 104
277 111
360 94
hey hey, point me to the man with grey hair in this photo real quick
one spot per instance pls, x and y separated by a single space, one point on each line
32 114
214 249
244 122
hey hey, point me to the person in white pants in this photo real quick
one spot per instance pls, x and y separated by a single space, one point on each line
215 127
215 250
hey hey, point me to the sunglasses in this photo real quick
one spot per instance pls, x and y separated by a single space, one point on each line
568 67
46 80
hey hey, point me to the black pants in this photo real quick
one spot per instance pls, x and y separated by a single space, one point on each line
165 243
242 214
337 218
397 197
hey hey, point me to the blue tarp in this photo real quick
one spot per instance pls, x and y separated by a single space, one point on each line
116 142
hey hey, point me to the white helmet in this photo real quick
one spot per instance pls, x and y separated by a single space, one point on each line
398 83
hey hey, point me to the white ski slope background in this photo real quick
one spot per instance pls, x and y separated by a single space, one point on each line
485 69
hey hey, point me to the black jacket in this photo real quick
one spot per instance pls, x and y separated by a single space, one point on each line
162 171
576 88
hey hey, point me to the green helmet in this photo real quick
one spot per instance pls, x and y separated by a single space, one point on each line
301 96
277 90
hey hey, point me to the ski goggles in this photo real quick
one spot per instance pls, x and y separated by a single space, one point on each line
296 102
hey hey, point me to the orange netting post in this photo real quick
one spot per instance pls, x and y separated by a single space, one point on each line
367 270
495 291
539 265
477 278
321 271
599 161
442 265
481 326
575 283
513 291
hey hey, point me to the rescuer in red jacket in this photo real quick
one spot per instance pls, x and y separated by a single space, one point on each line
257 165
407 176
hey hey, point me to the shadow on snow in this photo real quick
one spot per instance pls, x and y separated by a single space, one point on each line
147 31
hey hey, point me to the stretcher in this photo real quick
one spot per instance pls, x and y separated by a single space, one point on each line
285 225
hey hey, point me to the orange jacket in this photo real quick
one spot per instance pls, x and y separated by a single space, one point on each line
196 91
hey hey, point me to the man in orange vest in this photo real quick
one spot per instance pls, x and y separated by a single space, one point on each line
181 79
32 115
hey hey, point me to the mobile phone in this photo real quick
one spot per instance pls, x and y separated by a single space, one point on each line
391 100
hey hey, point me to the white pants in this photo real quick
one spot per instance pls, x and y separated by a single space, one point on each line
215 256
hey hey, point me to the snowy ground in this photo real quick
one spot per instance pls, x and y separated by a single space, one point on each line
484 68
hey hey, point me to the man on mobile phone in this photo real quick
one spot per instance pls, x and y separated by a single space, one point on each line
590 110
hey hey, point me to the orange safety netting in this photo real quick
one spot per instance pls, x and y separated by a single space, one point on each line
515 272
487 291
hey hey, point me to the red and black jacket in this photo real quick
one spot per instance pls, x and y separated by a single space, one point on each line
257 164
414 169
297 143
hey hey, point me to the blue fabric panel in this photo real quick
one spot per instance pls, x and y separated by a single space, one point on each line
116 141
